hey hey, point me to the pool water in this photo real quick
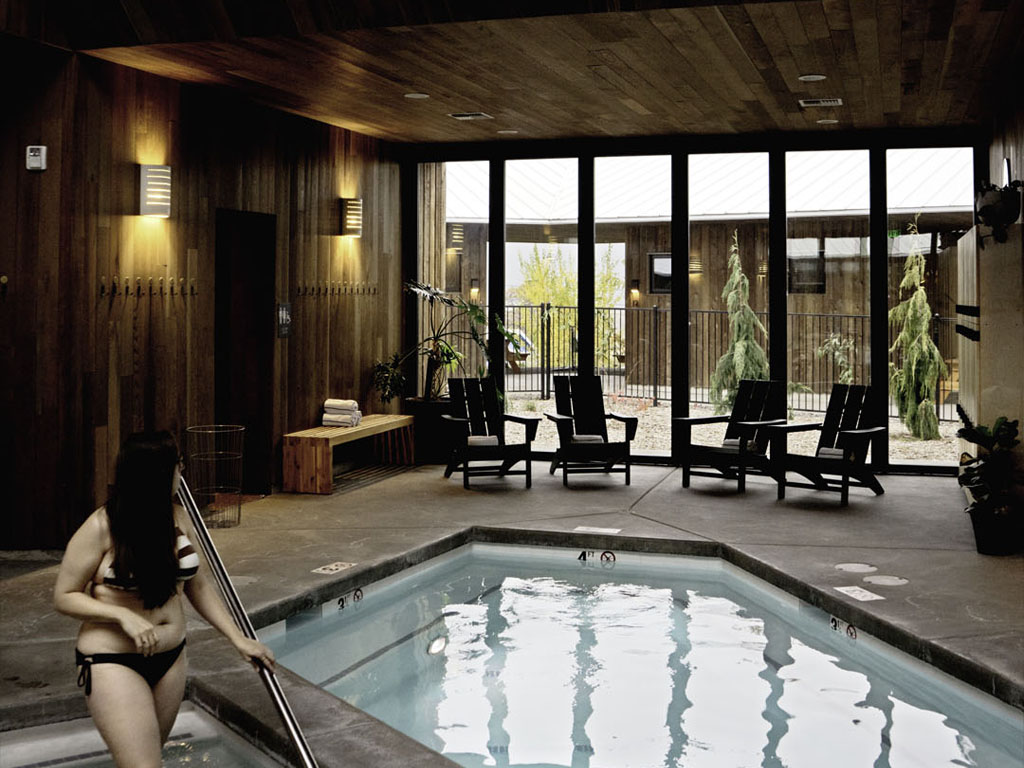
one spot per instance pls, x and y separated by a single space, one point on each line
196 739
519 656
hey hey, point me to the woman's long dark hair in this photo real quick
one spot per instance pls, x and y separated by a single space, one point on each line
142 516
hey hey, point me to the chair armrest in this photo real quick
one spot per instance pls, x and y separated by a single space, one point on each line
749 427
631 422
787 428
456 419
559 417
862 432
530 422
700 419
520 419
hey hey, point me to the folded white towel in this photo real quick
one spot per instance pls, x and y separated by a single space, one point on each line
341 411
348 405
336 420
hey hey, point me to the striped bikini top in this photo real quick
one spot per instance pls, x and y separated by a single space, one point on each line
188 565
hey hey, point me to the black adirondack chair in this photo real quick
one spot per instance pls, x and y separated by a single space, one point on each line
583 444
758 404
840 458
477 433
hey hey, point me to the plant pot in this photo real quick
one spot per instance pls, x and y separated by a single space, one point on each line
431 436
997 534
998 209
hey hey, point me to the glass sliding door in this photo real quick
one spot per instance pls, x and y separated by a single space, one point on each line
728 258
632 290
541 283
828 271
930 199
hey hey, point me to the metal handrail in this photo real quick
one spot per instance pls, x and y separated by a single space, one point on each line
241 618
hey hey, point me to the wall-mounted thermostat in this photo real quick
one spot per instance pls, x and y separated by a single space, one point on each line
35 158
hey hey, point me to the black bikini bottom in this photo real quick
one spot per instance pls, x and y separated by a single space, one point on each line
152 668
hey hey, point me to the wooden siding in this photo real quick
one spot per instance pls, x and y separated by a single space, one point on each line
108 318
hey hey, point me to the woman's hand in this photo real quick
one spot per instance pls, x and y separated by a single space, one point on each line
255 651
141 631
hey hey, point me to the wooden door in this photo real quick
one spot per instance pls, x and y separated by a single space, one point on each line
244 337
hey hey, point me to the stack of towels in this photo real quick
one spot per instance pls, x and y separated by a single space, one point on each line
341 413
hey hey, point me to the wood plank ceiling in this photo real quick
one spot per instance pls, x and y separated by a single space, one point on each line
663 68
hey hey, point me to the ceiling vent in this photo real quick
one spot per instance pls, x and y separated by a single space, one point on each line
470 116
821 102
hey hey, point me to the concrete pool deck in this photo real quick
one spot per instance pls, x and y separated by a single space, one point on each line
961 611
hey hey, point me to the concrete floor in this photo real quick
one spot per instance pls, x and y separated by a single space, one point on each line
961 611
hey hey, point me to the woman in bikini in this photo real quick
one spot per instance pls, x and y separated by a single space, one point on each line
123 575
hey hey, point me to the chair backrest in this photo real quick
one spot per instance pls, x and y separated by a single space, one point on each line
757 401
582 398
846 409
477 400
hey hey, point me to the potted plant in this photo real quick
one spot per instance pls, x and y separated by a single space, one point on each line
988 481
997 208
453 325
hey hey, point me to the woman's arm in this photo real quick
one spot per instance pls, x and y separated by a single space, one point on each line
81 559
203 594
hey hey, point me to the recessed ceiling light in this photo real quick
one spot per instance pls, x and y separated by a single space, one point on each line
811 78
417 95
508 131
827 121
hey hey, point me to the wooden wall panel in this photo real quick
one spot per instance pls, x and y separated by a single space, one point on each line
97 362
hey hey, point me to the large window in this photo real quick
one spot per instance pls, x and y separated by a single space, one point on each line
728 256
827 261
541 276
633 345
930 198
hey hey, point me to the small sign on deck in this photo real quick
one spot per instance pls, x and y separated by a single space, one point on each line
859 593
332 567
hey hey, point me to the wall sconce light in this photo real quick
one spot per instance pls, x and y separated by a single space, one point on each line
696 265
762 269
155 191
458 234
474 289
634 292
352 216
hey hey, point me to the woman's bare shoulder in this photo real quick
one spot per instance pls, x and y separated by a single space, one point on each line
98 524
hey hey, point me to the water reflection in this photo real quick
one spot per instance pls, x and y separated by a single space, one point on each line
591 671
724 723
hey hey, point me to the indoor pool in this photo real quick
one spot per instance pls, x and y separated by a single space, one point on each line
523 656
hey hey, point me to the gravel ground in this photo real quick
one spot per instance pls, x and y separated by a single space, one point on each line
654 430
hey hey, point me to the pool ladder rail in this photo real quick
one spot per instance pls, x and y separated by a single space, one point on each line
241 618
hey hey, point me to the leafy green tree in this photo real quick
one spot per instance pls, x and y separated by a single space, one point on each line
745 358
913 381
549 276
842 351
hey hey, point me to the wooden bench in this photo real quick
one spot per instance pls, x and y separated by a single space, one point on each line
308 463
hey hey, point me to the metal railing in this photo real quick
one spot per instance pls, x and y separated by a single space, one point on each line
633 352
241 618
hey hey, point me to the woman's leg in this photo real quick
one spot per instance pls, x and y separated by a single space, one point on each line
167 695
124 709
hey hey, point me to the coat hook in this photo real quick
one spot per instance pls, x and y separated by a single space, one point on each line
127 286
103 287
161 286
151 292
181 286
3 286
113 286
192 287
171 284
138 286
